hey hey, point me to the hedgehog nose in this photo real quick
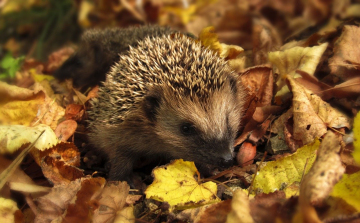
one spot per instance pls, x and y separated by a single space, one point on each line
227 160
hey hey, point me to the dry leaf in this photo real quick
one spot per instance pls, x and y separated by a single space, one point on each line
111 203
289 61
240 208
7 210
65 130
312 115
259 83
323 175
346 56
59 164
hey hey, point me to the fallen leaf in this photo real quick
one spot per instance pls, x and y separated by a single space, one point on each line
7 210
259 82
38 77
65 130
325 172
346 50
14 100
349 88
57 58
348 189
74 112
323 175
278 174
111 203
177 185
312 115
59 164
14 136
240 208
50 112
68 202
209 39
265 39
307 123
271 207
289 61
356 130
83 14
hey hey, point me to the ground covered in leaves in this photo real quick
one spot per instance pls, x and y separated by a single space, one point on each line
298 151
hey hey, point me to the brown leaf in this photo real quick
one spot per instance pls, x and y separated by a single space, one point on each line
312 116
57 58
59 163
110 202
323 175
215 213
74 112
265 39
69 202
349 88
240 208
267 207
259 82
65 130
346 52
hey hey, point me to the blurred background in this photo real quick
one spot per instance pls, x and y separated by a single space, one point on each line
35 28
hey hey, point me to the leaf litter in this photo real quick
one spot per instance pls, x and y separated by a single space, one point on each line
303 93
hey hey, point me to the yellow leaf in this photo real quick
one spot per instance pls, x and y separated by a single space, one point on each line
39 77
14 100
176 185
7 210
297 58
292 190
287 170
209 38
14 136
356 130
85 8
348 188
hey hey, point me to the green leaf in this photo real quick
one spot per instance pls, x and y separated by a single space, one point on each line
10 65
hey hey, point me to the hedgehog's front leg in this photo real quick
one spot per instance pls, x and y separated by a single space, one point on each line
121 166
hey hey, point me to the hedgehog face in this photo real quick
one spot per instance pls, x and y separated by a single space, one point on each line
203 129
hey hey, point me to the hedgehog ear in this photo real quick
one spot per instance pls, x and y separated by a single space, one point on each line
151 103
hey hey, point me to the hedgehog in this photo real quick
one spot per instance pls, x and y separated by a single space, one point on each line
99 49
170 97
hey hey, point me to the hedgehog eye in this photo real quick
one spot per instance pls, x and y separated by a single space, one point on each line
187 129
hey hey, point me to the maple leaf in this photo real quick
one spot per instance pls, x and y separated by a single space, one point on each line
175 184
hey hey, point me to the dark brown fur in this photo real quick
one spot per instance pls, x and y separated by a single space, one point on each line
168 97
99 49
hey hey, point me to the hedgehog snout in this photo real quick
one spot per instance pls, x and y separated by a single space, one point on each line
227 160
